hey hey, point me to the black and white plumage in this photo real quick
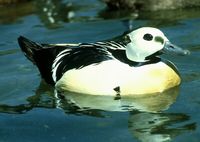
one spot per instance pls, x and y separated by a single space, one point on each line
54 60
99 68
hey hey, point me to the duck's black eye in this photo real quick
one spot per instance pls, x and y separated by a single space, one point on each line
148 37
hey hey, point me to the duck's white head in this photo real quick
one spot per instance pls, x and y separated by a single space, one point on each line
145 42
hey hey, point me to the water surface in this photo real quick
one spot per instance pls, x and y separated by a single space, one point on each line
31 112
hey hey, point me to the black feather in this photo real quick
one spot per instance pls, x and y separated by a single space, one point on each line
121 56
41 56
28 47
44 56
77 58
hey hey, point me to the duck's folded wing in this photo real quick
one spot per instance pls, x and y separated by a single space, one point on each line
76 58
54 60
117 49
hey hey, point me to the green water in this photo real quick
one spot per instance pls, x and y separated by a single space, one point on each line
29 110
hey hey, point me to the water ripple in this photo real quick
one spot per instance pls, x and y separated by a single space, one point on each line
9 51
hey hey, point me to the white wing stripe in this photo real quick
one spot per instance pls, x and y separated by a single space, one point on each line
109 44
54 70
56 63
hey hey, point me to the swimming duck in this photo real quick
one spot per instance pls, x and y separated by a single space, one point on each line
129 66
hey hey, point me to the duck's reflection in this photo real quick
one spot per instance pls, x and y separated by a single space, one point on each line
146 103
54 12
146 121
159 127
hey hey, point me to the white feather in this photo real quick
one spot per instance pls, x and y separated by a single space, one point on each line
56 64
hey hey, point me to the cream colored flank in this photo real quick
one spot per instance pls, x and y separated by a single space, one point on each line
101 79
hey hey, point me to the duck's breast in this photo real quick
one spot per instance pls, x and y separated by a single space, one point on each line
104 78
151 78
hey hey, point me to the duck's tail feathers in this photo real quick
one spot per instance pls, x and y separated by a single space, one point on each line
40 55
29 47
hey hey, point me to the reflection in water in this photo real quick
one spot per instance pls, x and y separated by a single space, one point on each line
153 18
53 12
12 14
43 98
147 103
46 97
159 19
159 127
146 122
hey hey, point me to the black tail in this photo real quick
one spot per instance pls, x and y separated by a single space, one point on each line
29 47
41 56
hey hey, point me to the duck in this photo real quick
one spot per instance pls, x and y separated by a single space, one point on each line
129 65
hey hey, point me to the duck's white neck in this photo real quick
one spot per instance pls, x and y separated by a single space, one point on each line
135 56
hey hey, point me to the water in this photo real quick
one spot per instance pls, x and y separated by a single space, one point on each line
31 112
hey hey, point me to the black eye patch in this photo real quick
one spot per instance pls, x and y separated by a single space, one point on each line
148 37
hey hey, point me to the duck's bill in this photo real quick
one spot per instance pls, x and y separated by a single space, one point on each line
170 48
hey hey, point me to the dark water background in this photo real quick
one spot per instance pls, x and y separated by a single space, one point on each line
29 110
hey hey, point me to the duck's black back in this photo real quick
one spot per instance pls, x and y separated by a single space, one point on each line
54 60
